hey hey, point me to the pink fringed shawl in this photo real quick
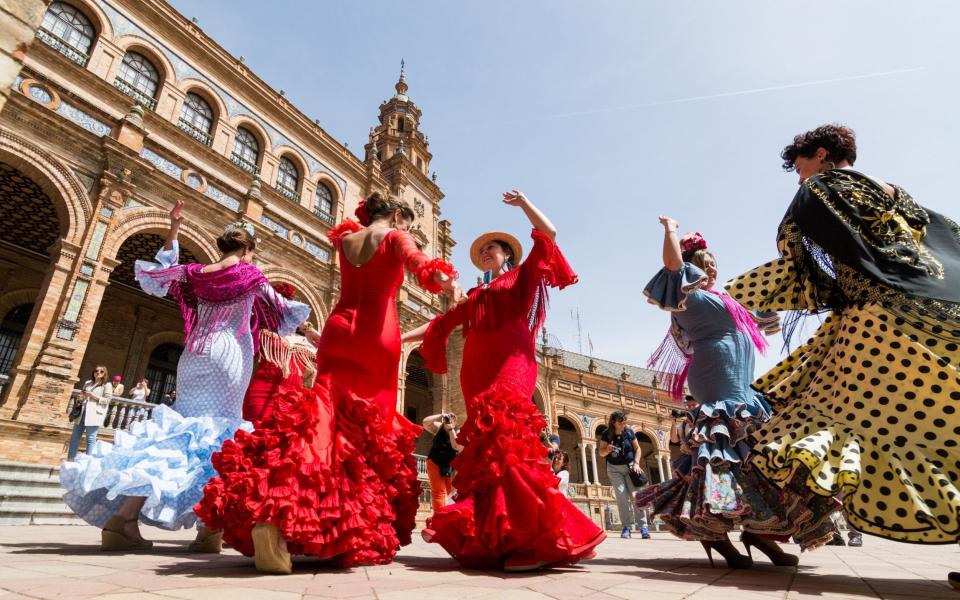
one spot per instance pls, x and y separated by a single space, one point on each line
220 291
672 359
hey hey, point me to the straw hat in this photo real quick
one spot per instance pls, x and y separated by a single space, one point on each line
499 236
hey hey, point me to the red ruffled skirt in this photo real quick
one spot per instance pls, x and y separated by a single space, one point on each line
508 502
327 471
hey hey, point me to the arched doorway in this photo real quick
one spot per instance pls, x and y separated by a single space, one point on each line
162 370
418 398
11 332
128 317
649 452
570 443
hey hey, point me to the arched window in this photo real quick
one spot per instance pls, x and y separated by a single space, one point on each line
68 30
246 150
161 372
196 118
11 331
139 79
288 179
323 205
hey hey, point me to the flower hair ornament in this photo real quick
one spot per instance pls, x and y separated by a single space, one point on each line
692 242
240 225
362 214
284 289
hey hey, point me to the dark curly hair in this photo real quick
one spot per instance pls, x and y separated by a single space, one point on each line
839 141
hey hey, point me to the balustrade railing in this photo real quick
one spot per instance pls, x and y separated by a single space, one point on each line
198 134
61 46
138 96
324 215
243 163
292 194
121 412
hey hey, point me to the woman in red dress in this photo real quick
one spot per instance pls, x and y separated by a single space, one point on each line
331 472
509 512
281 361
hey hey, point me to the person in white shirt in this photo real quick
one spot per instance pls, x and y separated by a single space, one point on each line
561 468
95 400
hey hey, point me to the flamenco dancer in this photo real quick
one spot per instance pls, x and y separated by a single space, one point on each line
156 472
509 513
331 473
280 361
867 408
711 346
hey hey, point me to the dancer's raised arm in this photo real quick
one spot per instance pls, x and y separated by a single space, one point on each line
176 218
539 220
672 256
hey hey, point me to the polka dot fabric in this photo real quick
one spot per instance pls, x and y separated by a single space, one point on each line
867 411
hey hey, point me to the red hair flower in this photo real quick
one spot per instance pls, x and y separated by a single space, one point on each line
285 289
363 215
691 242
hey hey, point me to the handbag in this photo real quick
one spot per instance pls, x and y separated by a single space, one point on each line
76 410
638 479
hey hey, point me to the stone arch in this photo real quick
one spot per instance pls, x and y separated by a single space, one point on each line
205 91
540 393
652 434
151 343
577 423
319 312
99 19
69 198
141 45
256 129
12 299
335 192
154 220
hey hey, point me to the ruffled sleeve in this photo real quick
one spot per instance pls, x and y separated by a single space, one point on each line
669 289
345 228
289 313
155 278
433 349
418 263
547 263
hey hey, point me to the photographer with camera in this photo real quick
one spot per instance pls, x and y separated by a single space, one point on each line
619 445
443 450
683 421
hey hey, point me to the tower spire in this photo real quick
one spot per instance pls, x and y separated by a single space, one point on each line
401 86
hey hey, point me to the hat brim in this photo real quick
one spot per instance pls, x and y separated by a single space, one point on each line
499 236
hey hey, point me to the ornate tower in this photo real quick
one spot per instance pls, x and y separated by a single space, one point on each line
401 153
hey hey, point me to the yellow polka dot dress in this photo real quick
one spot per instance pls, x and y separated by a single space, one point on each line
866 409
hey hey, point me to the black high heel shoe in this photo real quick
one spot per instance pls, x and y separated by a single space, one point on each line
734 559
777 556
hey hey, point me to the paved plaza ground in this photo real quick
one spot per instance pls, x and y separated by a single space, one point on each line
65 562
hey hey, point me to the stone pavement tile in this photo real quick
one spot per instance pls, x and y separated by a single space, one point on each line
458 592
65 569
561 590
228 593
915 588
636 594
828 595
743 592
131 596
72 588
336 589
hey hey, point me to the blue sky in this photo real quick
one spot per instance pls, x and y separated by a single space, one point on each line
610 113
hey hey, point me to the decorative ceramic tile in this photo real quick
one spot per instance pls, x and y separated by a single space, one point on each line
93 250
161 163
86 269
296 239
194 181
318 251
76 300
222 198
91 124
271 224
40 94
106 212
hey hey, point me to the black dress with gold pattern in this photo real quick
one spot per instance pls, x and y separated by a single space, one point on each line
866 410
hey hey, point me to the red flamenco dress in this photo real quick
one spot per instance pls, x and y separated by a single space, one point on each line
509 509
281 361
333 467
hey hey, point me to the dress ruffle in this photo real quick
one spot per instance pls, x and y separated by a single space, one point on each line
345 228
714 488
668 289
165 459
324 473
508 501
426 271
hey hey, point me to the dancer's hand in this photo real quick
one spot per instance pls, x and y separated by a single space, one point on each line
514 198
669 225
176 214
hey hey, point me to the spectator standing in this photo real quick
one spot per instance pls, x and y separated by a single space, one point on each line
95 401
443 450
619 446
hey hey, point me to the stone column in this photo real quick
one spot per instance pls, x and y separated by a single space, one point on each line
666 464
583 462
596 456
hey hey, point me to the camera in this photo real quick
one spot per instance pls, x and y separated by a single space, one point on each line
677 414
446 419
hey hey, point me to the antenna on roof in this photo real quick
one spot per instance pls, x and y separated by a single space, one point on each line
575 316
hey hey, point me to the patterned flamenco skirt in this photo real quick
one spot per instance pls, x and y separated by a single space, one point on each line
508 504
715 489
326 470
869 412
